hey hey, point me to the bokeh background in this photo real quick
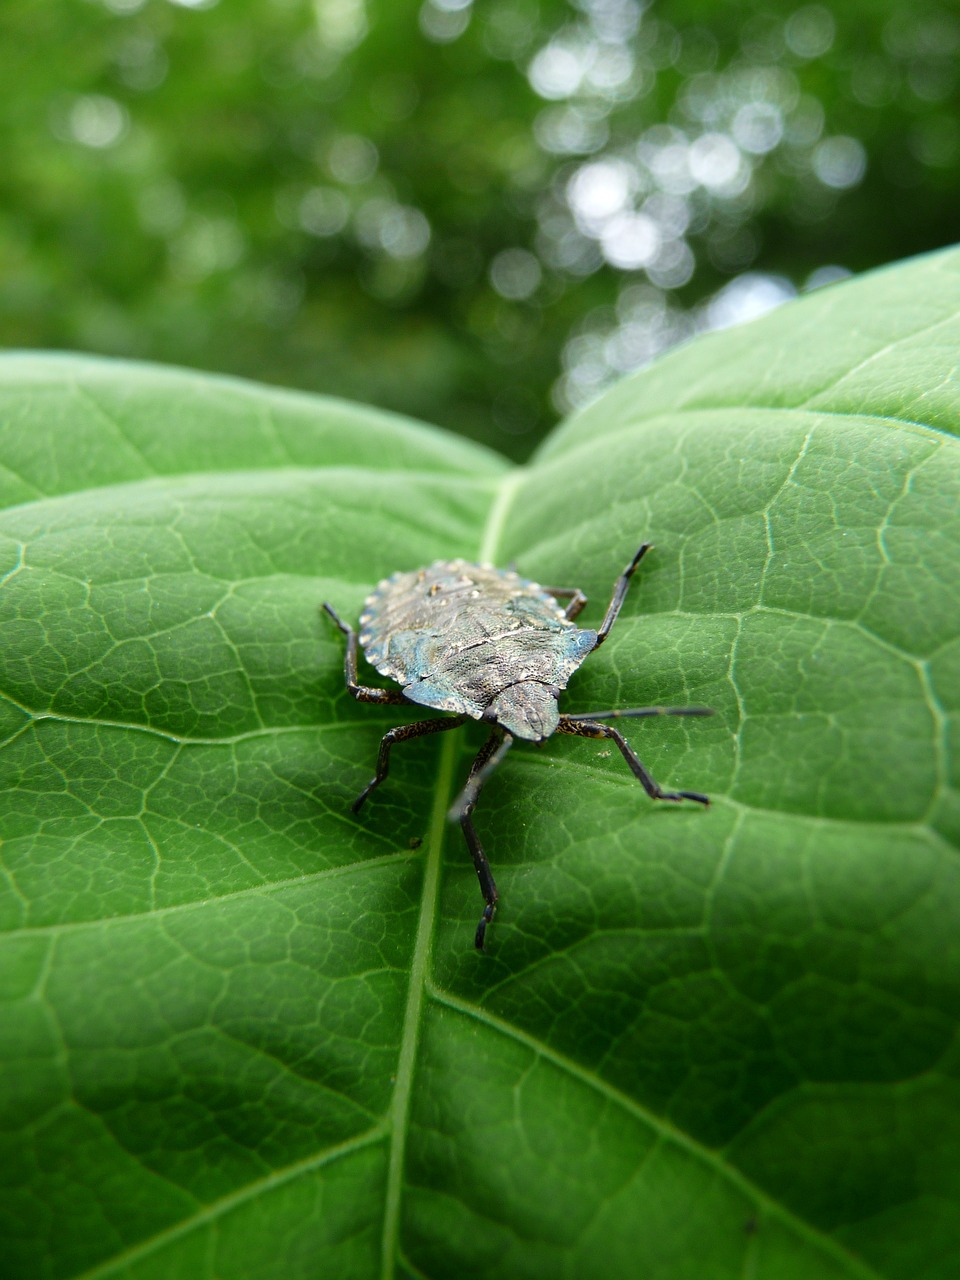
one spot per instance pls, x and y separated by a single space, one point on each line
479 212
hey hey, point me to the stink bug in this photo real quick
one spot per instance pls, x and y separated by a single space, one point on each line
486 644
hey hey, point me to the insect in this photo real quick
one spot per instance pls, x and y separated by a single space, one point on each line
486 644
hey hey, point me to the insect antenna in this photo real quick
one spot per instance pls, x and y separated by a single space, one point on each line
637 712
487 759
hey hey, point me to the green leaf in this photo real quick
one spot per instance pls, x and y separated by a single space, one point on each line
244 1033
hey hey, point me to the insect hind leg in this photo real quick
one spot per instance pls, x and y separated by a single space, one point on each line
362 692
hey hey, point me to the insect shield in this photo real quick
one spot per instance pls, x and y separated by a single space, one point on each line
485 644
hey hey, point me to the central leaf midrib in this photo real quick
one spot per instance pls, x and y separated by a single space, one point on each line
417 990
416 993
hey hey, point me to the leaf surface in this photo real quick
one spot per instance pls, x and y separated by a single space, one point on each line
244 1032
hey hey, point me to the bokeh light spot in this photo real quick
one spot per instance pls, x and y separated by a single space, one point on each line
748 296
630 241
97 121
323 211
599 190
840 162
352 159
810 31
556 71
758 127
515 274
716 163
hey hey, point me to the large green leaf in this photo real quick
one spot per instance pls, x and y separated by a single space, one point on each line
245 1033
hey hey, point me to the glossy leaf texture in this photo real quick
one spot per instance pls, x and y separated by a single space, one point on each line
245 1033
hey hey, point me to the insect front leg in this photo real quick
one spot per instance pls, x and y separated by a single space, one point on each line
401 734
487 759
619 593
362 692
586 728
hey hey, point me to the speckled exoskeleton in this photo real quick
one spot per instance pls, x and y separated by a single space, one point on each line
486 644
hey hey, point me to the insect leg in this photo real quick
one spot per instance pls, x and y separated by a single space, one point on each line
400 734
593 729
637 712
487 759
362 692
619 592
573 594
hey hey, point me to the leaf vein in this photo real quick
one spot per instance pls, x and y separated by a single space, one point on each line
663 1128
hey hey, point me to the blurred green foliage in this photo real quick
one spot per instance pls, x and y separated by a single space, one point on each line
476 212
